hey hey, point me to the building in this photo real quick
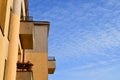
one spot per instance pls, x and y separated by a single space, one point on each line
23 44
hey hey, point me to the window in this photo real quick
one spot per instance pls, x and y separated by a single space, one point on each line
3 6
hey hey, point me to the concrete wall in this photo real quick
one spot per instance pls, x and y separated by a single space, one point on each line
40 65
4 42
40 43
39 55
24 76
51 64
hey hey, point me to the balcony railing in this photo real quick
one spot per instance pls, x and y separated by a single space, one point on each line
24 66
51 58
24 75
26 18
51 64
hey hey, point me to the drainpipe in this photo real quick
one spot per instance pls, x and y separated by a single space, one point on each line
23 59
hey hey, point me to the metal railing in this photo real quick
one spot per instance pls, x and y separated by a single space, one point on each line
51 58
27 18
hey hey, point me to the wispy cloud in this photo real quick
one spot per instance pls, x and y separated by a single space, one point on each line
84 35
92 74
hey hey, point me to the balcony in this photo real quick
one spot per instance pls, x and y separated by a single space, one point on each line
26 18
24 66
24 75
51 65
26 34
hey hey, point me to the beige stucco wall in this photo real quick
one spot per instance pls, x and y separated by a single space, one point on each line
2 55
40 65
14 39
13 50
4 40
39 55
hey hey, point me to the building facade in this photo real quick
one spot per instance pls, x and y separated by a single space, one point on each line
23 44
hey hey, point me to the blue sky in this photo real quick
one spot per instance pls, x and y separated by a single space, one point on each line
84 37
